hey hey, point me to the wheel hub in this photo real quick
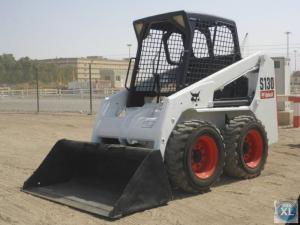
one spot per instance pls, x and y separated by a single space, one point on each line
204 157
197 156
252 148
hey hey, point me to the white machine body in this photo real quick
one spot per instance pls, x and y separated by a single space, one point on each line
152 124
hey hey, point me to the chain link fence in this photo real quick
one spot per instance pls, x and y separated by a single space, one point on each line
60 87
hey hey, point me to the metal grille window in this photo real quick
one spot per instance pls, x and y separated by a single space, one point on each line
175 47
199 45
223 41
155 72
213 49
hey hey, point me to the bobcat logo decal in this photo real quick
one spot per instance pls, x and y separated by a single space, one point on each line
195 97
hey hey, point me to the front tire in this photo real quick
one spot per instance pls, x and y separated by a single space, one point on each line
195 156
246 147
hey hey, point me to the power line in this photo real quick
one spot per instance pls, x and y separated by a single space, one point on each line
272 48
275 44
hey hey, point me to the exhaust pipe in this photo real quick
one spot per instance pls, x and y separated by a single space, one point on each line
107 180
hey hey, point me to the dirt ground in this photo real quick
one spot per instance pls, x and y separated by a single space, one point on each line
25 139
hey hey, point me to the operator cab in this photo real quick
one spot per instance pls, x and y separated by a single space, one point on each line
178 49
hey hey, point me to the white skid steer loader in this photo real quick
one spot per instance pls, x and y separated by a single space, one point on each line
193 108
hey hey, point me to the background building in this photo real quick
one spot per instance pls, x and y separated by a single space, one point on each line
282 75
283 90
295 83
105 73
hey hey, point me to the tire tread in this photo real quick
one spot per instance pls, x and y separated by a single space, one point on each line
174 155
232 133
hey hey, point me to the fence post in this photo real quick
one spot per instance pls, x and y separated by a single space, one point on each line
37 89
90 83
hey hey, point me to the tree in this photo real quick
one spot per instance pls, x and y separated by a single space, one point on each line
22 71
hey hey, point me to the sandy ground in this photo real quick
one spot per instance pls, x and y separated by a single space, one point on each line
25 139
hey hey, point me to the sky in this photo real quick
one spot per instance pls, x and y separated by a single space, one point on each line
76 28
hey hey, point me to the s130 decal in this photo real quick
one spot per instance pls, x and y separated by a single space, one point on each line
267 85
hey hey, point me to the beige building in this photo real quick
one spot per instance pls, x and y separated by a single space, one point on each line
105 73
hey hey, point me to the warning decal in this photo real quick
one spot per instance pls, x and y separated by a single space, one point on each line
267 94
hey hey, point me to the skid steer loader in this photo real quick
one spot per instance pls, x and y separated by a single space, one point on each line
192 107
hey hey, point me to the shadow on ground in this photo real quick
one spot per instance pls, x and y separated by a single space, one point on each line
224 180
294 145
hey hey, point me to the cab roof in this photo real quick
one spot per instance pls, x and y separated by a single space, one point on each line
190 16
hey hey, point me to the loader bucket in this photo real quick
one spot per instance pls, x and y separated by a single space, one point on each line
107 180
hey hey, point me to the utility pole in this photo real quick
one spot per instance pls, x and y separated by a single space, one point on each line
287 44
90 84
295 51
37 89
129 47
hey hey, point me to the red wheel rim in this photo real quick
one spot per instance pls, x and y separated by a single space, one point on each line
253 148
204 157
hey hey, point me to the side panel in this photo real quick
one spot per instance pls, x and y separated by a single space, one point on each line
200 95
264 104
263 108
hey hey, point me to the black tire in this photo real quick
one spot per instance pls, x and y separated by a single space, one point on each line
179 153
235 133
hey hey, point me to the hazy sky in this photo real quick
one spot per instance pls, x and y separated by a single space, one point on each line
74 28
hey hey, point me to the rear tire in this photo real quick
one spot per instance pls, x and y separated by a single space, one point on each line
246 147
195 156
